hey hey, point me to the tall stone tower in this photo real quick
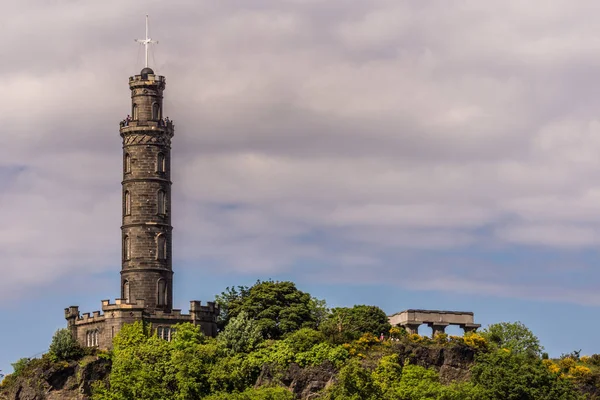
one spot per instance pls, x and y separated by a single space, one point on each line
146 283
147 271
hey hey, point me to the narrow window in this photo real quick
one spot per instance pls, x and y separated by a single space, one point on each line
95 338
127 210
126 291
88 339
126 248
159 332
155 111
161 203
160 163
161 247
127 163
134 112
162 293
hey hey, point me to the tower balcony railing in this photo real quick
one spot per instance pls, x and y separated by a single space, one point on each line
133 125
149 77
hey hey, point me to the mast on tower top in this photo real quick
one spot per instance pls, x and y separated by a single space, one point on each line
146 42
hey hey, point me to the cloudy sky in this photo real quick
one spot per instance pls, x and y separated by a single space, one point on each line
396 153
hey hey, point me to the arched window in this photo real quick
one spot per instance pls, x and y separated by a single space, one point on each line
95 333
127 209
161 203
161 300
155 111
161 163
127 163
134 112
126 291
161 247
126 248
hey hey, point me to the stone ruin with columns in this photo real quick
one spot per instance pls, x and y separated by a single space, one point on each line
435 319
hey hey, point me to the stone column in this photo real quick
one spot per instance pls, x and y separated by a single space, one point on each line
468 328
412 328
437 328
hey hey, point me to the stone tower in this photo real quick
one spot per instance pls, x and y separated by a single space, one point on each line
147 271
146 261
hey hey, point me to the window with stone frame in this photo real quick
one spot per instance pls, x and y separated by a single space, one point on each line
161 247
127 163
127 205
126 248
155 111
161 289
161 165
165 333
126 291
161 202
134 112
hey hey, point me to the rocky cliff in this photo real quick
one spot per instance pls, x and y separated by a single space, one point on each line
73 380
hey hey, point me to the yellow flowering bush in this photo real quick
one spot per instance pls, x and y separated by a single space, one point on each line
416 338
585 359
397 332
367 340
441 338
552 367
476 341
567 363
580 372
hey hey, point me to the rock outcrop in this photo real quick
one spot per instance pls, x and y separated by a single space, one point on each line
57 381
74 380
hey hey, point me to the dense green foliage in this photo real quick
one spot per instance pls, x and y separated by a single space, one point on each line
277 307
19 366
345 324
273 329
503 374
513 336
64 346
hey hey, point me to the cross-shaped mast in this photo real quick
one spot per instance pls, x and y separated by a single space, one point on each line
146 41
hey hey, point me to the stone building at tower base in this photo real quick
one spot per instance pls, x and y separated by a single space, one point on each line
100 327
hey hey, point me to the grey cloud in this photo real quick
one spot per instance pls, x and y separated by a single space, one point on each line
348 132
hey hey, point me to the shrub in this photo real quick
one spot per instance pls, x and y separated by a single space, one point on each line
19 366
475 341
304 339
241 335
580 372
441 338
64 346
567 363
397 332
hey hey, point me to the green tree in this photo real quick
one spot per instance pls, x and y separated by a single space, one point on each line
503 374
277 307
263 393
64 346
241 335
346 324
513 336
230 301
354 383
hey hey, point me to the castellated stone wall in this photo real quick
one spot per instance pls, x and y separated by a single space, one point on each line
99 328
